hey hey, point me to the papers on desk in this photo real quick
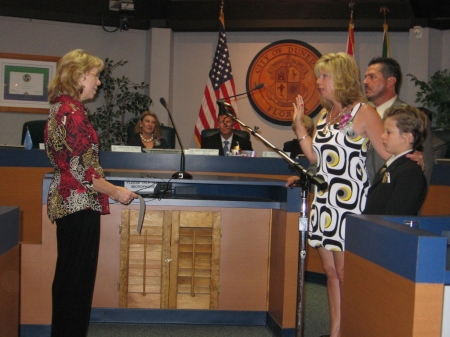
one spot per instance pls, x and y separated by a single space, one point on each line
12 146
273 154
166 151
242 153
125 148
202 152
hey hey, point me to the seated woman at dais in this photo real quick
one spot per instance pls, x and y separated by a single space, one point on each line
148 133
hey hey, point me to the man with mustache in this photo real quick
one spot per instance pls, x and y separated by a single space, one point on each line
382 82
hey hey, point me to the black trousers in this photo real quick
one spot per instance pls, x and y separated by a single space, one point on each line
78 237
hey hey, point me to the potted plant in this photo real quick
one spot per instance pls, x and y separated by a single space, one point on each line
436 94
122 97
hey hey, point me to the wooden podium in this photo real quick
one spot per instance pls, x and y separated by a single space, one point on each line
394 276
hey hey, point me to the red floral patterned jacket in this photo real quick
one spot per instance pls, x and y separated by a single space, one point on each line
72 148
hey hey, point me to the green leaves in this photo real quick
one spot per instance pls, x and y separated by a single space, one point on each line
122 97
436 94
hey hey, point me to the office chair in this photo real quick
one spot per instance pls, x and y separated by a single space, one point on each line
209 132
36 129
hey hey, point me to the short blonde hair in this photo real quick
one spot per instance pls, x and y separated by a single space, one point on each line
346 78
309 125
157 131
69 69
409 119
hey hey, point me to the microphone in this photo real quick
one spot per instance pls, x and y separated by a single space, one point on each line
182 174
222 100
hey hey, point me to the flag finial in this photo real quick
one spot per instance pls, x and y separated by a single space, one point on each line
221 15
384 10
351 5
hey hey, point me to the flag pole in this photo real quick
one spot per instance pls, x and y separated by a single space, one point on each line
351 30
221 15
219 84
386 52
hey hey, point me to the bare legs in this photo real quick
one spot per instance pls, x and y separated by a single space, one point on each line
333 265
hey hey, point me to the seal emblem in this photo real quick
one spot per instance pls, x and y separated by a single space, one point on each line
286 68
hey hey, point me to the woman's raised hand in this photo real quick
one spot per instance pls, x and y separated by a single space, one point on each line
299 112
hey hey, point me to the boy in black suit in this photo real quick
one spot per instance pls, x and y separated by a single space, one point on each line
226 134
400 187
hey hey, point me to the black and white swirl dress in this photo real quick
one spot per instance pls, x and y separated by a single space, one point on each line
341 163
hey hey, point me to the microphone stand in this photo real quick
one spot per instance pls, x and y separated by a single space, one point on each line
305 181
181 174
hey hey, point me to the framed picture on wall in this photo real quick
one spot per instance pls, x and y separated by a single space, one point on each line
25 79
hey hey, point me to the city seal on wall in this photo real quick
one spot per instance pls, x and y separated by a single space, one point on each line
286 68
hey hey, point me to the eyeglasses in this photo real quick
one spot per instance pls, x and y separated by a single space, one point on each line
95 74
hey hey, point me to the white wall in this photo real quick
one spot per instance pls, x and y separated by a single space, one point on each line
191 58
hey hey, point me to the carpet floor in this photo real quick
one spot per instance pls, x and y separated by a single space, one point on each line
316 323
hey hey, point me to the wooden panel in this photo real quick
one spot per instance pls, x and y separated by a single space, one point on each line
377 302
244 255
244 259
437 201
9 292
22 186
124 251
194 275
166 260
428 310
141 260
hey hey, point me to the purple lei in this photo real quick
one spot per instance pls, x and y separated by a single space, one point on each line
344 120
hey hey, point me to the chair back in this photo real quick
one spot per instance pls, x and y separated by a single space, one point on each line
36 129
167 132
209 132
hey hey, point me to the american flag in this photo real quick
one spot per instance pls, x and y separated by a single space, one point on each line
220 84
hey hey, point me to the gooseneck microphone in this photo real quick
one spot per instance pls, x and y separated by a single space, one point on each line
182 174
222 100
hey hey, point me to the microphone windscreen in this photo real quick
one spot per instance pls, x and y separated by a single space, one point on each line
163 101
258 86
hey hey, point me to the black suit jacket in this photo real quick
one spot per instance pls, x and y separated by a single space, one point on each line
215 142
403 194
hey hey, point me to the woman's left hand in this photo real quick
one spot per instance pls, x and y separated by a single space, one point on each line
417 156
125 196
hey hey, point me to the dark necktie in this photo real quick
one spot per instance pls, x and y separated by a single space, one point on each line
383 168
225 147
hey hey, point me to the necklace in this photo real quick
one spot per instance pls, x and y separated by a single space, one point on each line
327 127
146 140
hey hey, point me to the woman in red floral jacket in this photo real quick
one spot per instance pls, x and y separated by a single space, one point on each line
78 193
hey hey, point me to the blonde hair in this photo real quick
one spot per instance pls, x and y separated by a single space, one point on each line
69 69
157 131
346 78
309 125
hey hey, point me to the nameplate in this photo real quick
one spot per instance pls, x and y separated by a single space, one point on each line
242 153
125 148
273 154
41 146
203 152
